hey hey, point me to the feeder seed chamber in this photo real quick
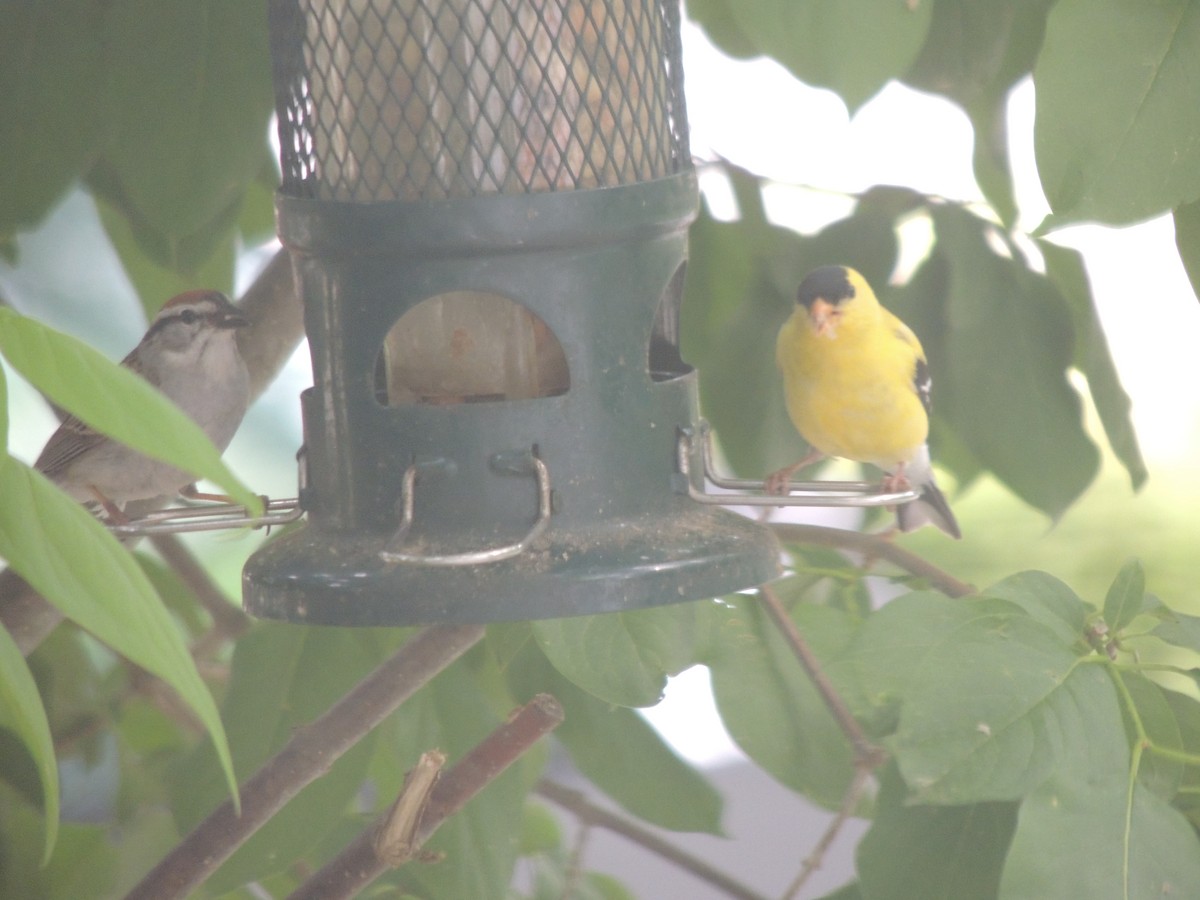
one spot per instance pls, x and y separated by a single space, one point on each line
486 204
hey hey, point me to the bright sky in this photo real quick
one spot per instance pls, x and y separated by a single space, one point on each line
757 115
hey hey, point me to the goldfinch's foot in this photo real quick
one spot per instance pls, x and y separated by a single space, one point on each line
895 482
776 483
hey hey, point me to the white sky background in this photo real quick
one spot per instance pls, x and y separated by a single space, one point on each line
757 115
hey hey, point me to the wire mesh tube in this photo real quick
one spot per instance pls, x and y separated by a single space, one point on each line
425 99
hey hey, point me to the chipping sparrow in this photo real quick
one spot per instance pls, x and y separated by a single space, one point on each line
189 353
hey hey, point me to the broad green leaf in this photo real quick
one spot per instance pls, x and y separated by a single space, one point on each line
71 560
621 754
112 399
943 852
973 54
1070 842
1020 705
296 829
851 46
718 21
1174 627
190 255
1186 712
21 712
51 121
1126 596
83 865
768 702
154 282
1065 268
875 670
1048 600
1161 774
623 657
284 676
1002 382
731 314
1187 241
3 410
190 97
1131 149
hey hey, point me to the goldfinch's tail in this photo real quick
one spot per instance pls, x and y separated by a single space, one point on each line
930 508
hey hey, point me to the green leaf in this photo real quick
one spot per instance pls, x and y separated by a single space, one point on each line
71 560
1048 600
3 410
1066 269
1160 773
1070 842
1019 706
622 755
83 865
1000 355
851 46
283 677
717 19
189 98
1126 596
51 120
21 711
875 670
1174 627
1187 241
623 658
768 702
933 851
1132 149
973 54
113 400
154 282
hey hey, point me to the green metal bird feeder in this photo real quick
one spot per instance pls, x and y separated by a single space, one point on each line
486 203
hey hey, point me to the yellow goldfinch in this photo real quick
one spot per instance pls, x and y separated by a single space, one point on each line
857 386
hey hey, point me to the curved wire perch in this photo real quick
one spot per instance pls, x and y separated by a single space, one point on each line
749 492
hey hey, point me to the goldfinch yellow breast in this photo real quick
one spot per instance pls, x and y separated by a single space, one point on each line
856 382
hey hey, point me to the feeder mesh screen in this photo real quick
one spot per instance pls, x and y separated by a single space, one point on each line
425 99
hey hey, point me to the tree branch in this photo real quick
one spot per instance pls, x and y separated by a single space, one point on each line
590 814
873 547
397 836
312 749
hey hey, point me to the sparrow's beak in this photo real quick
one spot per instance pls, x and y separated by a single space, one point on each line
824 316
233 320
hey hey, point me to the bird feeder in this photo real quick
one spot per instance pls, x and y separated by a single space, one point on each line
486 203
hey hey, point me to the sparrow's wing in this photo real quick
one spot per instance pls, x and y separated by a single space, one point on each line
68 443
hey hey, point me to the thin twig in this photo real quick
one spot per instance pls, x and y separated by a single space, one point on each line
867 756
425 802
312 749
873 546
863 748
590 814
812 862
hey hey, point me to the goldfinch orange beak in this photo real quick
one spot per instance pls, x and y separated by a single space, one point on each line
824 316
